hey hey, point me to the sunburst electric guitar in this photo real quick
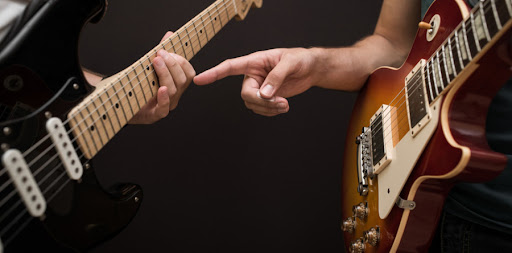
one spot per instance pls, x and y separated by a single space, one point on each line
417 130
53 122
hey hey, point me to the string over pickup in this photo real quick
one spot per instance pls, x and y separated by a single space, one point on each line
64 148
24 181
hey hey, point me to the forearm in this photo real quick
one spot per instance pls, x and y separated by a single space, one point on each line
348 68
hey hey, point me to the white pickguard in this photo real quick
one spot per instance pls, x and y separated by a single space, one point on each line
405 155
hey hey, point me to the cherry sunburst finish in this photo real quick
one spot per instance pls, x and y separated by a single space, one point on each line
455 149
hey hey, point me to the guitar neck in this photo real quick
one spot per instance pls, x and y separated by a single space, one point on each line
117 99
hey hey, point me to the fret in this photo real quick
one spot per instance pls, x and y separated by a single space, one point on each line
148 75
135 76
428 83
449 61
126 97
503 12
198 35
205 30
88 131
442 68
433 79
495 14
226 10
180 50
480 31
438 80
93 128
99 121
489 20
86 139
216 21
118 87
107 114
471 38
184 47
132 93
218 15
117 105
464 47
195 46
212 23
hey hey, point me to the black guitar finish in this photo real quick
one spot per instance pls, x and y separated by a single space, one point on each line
40 77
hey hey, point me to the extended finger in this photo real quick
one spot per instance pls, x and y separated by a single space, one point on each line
231 67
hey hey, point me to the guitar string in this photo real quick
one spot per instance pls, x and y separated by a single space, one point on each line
136 77
49 148
192 40
437 76
206 30
225 6
394 99
163 44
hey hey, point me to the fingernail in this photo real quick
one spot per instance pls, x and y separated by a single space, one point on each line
267 90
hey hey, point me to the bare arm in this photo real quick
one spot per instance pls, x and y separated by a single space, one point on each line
274 75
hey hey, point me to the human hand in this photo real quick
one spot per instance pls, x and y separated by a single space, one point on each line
174 75
270 77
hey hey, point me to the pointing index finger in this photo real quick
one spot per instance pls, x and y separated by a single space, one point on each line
231 67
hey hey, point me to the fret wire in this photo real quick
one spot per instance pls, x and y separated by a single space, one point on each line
108 116
145 67
134 70
205 30
227 13
130 99
102 123
220 19
454 68
183 47
211 22
119 105
124 111
190 43
429 82
509 7
475 36
470 57
484 22
441 81
151 73
86 129
445 67
197 34
92 129
496 16
126 96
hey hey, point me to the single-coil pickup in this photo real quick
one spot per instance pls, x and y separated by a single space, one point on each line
64 148
24 181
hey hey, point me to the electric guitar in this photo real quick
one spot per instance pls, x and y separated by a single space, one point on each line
53 122
417 130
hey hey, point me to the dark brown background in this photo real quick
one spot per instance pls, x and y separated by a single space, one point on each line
217 177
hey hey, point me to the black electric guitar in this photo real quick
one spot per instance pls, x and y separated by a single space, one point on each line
52 122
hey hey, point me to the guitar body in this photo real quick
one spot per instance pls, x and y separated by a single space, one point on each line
40 75
456 151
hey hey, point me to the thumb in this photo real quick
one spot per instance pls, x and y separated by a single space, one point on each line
275 78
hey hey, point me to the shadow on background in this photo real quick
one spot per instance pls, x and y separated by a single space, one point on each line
217 177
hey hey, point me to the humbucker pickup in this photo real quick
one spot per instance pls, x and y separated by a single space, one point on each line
417 104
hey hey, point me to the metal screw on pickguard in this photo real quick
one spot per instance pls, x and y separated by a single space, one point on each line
48 115
7 131
136 199
76 86
5 146
87 166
